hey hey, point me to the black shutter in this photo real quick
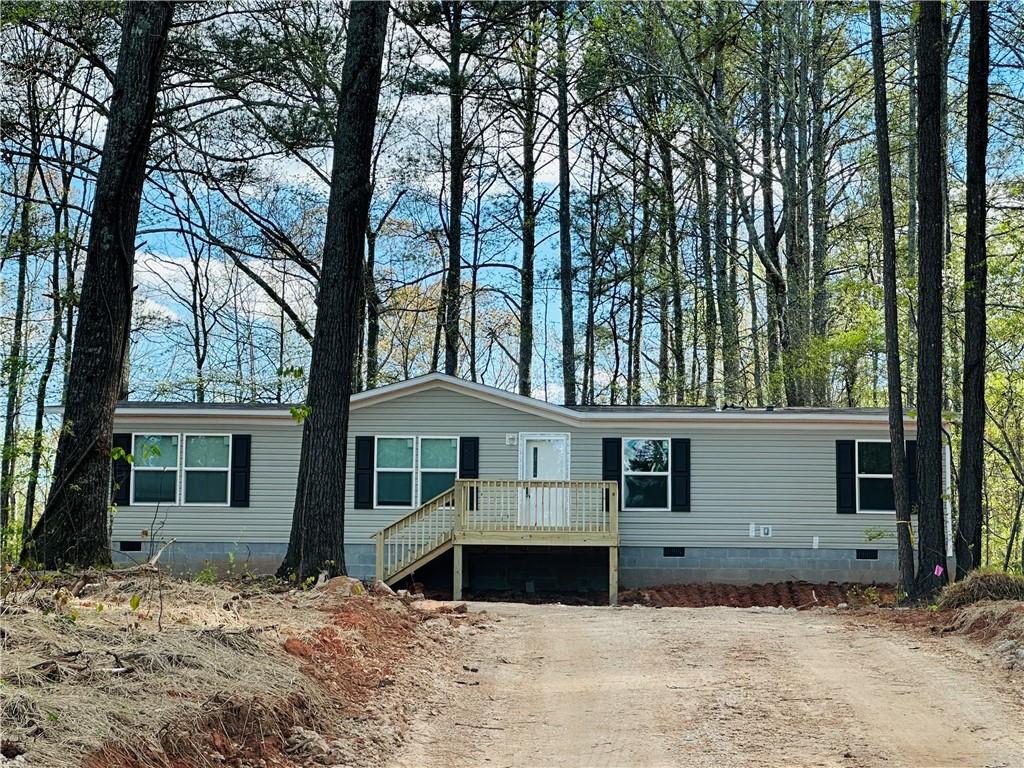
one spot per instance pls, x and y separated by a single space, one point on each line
241 469
680 474
611 458
364 472
121 471
611 463
846 477
469 466
469 458
912 474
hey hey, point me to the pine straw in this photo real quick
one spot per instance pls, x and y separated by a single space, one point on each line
203 670
981 586
989 621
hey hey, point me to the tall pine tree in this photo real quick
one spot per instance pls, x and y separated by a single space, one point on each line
317 541
74 524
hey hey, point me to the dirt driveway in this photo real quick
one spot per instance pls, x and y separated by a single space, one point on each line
721 687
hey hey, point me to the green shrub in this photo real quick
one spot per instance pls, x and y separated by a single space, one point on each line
981 585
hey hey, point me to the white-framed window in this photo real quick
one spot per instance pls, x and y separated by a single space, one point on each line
154 469
394 469
645 473
874 477
438 464
207 468
410 470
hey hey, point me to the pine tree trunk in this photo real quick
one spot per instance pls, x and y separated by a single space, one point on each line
911 263
972 441
638 277
707 267
665 326
755 345
901 488
474 283
62 243
1014 531
803 226
565 270
529 204
674 271
931 529
795 317
725 296
457 153
819 212
15 363
774 290
317 537
73 528
372 313
595 189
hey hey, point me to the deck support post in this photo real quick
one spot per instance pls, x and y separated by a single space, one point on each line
379 556
613 575
457 573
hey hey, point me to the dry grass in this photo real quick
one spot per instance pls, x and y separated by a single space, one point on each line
146 670
988 621
980 586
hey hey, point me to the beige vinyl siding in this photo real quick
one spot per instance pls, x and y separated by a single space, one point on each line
782 475
777 474
444 413
275 465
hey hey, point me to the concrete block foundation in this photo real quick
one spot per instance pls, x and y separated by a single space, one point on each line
650 566
562 569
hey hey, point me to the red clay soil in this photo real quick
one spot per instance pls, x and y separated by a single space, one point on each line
981 626
354 655
351 657
787 594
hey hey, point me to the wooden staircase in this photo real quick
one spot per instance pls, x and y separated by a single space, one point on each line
416 539
580 513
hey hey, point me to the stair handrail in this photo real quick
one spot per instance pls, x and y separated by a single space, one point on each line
394 555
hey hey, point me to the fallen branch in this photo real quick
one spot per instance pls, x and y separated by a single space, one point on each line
153 560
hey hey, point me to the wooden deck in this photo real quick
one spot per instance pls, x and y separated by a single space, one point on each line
579 513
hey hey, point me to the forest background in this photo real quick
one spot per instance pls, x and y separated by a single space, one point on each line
584 202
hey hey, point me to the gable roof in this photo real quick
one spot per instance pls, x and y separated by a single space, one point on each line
570 415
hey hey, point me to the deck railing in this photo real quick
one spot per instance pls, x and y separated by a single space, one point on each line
558 506
573 509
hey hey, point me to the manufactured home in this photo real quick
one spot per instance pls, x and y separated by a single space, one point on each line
508 492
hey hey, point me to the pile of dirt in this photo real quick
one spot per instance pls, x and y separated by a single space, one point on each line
146 670
787 594
981 585
997 626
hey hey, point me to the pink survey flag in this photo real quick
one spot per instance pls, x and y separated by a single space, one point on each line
938 570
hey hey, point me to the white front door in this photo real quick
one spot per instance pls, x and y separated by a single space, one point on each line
544 457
